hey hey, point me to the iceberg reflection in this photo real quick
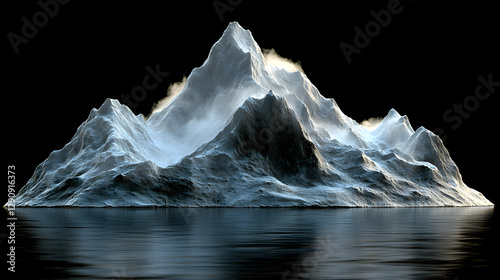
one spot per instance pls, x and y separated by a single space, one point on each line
233 243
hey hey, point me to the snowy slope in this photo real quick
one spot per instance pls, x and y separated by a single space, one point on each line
244 132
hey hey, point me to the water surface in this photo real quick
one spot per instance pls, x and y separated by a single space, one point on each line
228 243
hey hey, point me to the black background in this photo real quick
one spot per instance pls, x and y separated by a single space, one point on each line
427 59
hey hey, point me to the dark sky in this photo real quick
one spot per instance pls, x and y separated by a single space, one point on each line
424 61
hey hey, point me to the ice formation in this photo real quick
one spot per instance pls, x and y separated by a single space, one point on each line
246 133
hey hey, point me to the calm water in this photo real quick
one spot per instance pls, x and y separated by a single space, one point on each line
167 243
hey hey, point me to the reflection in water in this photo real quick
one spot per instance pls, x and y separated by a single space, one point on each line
226 243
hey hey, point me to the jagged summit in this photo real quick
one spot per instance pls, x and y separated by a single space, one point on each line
234 71
393 131
236 36
246 133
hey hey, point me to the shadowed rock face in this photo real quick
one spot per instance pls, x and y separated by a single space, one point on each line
246 133
267 131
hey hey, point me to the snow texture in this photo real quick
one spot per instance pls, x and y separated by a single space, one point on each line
246 133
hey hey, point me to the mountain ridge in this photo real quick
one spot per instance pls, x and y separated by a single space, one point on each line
246 133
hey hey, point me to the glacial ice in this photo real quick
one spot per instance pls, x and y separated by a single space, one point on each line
246 133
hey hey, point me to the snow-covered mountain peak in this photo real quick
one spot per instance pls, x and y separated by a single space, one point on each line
392 114
235 50
234 71
237 36
244 132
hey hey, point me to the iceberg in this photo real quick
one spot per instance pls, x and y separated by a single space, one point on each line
244 132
